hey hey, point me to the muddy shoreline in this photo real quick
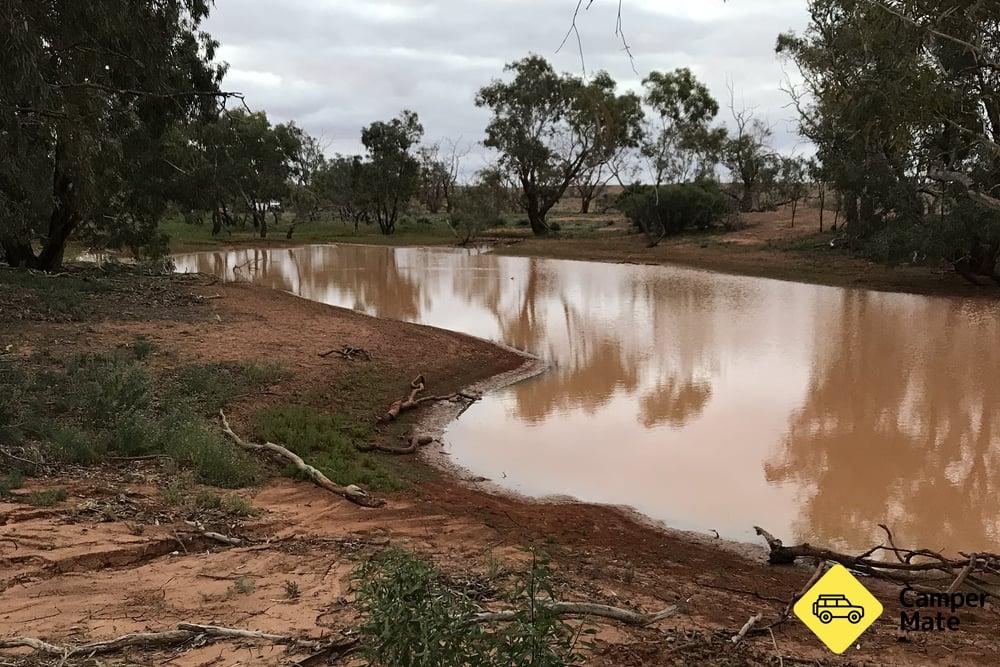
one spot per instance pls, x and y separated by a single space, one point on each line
74 576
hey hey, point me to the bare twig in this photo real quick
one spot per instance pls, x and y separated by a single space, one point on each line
626 616
754 620
184 633
413 399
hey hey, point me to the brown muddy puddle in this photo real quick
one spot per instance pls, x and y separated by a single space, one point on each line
706 401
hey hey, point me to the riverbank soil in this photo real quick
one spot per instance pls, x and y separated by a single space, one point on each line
92 552
767 245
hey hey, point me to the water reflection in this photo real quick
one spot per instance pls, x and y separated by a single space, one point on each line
704 400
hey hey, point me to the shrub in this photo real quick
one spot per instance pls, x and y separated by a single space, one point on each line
671 209
46 498
411 618
104 404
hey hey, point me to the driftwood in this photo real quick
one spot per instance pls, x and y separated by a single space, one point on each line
414 400
353 493
216 537
754 620
626 616
416 442
920 569
184 633
349 353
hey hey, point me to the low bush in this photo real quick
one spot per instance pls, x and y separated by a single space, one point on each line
672 209
94 406
412 618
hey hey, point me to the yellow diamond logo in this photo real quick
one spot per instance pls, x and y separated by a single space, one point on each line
838 609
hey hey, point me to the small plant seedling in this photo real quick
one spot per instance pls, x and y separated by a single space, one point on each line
244 586
292 591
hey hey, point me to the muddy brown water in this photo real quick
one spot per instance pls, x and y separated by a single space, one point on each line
709 402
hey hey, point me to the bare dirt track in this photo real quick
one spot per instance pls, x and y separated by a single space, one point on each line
113 558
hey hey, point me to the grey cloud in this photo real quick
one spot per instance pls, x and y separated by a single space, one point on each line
335 65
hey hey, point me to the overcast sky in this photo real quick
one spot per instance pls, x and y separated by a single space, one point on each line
336 65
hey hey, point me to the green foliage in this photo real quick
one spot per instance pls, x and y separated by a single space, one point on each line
14 479
391 175
330 443
680 145
902 107
671 209
478 206
244 586
46 497
84 122
99 405
238 161
549 127
292 590
412 618
64 297
212 386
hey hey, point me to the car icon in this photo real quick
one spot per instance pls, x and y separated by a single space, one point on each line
829 607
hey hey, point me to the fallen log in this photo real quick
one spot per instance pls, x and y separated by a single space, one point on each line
416 442
353 493
626 616
754 620
921 569
184 633
349 353
414 400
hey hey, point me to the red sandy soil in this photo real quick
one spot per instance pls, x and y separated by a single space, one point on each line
113 559
768 245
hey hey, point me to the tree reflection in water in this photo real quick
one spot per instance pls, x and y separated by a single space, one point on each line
707 401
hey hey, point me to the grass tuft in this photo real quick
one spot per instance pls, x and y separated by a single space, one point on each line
327 442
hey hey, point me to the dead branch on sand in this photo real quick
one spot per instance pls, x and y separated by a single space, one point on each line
754 620
216 537
414 400
355 494
349 353
626 616
416 442
185 632
920 569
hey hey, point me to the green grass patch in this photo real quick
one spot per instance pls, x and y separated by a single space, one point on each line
96 406
213 386
54 296
410 230
45 498
328 442
11 481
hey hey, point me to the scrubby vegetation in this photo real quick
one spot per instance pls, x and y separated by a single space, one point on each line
93 407
329 442
414 618
671 209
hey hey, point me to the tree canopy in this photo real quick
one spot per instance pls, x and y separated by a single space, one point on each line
86 100
904 108
547 127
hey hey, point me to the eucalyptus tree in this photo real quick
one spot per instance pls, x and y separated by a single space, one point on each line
338 184
904 106
391 174
610 158
239 160
680 144
547 127
88 92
